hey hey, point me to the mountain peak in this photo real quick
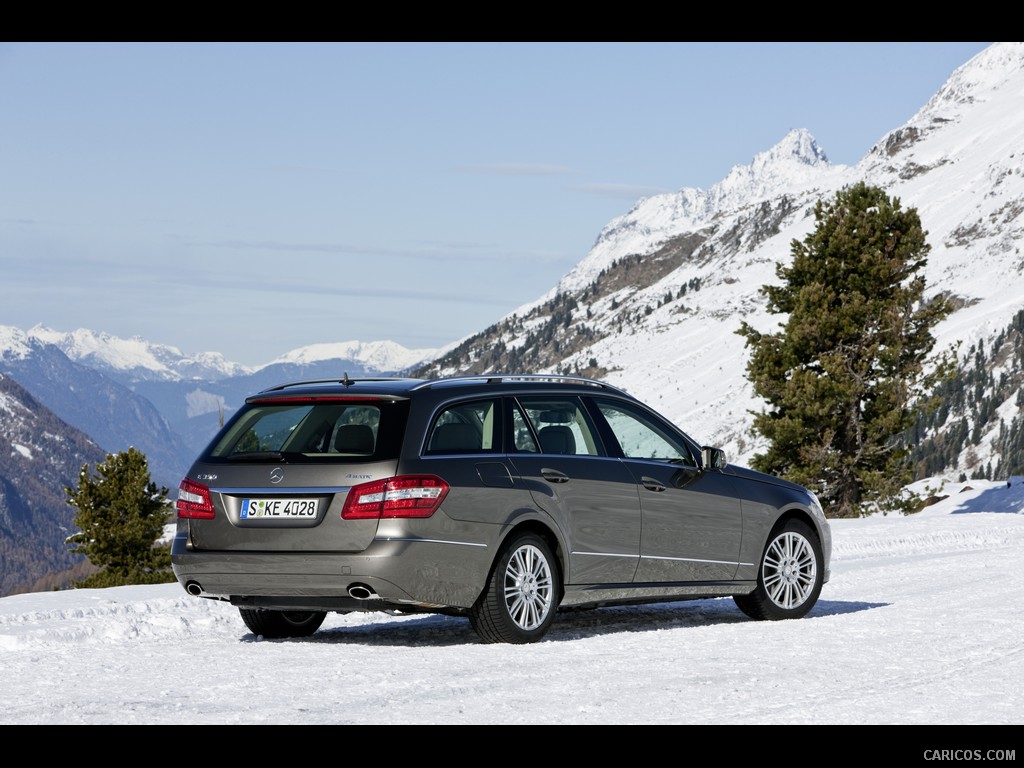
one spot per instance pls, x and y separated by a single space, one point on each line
795 162
796 146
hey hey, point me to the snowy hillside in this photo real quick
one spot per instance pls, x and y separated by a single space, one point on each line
792 166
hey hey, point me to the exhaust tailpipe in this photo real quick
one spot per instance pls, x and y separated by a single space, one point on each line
361 592
194 588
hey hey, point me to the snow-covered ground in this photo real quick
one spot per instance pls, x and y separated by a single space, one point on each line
920 624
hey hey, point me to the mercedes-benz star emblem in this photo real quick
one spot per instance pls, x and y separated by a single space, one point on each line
276 475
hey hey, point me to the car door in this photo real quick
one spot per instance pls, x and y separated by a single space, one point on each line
463 447
692 522
592 497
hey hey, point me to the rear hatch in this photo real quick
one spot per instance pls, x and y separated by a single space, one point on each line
276 477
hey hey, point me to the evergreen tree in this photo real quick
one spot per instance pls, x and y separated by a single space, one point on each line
121 514
846 372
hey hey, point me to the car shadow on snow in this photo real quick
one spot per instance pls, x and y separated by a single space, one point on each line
838 607
569 625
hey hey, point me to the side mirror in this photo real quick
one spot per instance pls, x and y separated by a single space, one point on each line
712 458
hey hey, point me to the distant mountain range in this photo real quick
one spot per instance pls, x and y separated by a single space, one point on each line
653 307
134 360
129 392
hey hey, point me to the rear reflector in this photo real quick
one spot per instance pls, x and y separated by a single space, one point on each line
403 496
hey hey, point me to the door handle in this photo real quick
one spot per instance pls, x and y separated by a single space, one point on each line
651 484
554 476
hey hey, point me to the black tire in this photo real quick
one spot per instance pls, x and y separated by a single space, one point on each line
522 594
789 576
278 624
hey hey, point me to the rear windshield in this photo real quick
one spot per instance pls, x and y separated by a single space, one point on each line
318 430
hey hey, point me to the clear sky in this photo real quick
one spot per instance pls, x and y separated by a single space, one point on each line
253 198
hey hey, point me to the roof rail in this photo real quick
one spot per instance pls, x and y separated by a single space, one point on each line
505 378
345 380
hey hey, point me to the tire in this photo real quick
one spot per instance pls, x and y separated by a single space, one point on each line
278 624
521 598
789 576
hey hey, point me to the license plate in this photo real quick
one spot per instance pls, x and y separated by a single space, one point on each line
281 508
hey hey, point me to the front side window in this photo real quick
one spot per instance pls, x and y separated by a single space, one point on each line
641 436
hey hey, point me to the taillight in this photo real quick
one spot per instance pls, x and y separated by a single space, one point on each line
404 496
194 500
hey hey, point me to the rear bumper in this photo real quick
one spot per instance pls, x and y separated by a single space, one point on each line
410 571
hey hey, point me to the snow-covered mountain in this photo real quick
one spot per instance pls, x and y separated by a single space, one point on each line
370 355
655 306
135 359
109 412
792 166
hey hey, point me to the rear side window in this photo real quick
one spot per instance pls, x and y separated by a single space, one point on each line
470 427
317 430
561 425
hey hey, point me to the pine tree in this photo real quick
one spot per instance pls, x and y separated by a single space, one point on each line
121 514
844 376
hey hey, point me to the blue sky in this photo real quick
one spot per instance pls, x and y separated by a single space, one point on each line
253 198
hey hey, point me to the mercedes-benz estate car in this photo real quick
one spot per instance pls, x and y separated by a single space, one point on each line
499 498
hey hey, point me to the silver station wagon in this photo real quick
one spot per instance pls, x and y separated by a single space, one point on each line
499 498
